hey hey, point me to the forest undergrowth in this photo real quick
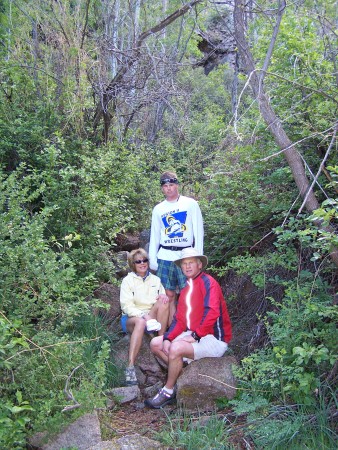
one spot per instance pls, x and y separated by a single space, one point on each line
240 99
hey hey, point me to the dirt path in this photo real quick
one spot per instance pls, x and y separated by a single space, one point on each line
133 418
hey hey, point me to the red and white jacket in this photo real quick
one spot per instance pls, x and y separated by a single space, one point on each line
201 308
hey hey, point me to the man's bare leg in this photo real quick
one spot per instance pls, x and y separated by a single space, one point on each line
177 351
174 360
156 346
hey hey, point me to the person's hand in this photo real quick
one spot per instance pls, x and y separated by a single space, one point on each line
162 298
166 347
147 317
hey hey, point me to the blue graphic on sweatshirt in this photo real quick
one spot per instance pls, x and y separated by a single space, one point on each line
175 224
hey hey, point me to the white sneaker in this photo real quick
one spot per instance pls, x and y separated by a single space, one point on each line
153 325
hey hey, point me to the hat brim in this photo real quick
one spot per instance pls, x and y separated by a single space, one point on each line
202 258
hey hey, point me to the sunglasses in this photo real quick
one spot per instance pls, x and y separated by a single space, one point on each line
140 261
168 180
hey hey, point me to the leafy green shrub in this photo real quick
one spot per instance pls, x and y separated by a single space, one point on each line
244 200
13 410
13 422
301 327
45 289
297 366
60 378
97 196
36 284
288 426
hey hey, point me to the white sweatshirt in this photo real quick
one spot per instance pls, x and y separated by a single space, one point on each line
177 224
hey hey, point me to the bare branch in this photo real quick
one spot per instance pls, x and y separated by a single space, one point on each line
320 167
167 21
110 91
68 392
85 24
281 7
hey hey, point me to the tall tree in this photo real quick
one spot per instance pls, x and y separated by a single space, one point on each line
256 79
109 94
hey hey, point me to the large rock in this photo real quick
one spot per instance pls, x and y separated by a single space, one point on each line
127 241
85 434
130 241
82 434
122 395
204 381
129 442
144 239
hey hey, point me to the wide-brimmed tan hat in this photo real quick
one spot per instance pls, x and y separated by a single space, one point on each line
190 252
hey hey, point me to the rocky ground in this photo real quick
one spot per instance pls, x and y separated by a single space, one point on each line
131 426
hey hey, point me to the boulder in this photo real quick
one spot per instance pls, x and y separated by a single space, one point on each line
122 395
152 390
82 434
127 241
204 381
129 442
144 239
130 241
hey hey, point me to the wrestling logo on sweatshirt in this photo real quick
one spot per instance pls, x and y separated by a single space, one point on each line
174 224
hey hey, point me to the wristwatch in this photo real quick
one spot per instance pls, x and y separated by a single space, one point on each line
195 336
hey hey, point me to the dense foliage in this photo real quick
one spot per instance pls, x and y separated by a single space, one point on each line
88 119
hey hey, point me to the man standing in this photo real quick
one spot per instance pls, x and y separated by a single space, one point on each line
176 224
201 327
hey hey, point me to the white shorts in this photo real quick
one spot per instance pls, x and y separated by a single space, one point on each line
207 347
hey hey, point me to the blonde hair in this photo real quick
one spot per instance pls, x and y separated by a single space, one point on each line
131 255
168 174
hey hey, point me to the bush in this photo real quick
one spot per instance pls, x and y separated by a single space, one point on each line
44 297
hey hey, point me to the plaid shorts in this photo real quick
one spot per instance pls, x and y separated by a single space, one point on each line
171 275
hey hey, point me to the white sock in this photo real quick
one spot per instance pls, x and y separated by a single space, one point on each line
170 391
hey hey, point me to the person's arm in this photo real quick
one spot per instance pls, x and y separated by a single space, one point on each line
198 227
160 287
155 236
162 296
127 300
178 324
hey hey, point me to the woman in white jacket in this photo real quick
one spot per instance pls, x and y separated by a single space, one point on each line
144 304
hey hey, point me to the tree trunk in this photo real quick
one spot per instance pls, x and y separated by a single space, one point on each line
274 124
